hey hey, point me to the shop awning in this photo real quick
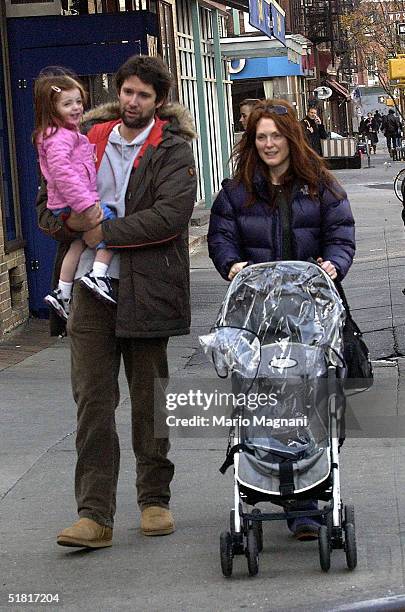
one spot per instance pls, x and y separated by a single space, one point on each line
245 47
339 89
242 5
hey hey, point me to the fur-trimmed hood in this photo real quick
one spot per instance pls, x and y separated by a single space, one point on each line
179 117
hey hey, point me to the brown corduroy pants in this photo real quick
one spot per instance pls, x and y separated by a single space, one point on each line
96 356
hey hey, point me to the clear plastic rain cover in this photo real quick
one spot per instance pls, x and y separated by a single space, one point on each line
278 329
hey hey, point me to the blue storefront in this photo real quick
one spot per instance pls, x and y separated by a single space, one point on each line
269 77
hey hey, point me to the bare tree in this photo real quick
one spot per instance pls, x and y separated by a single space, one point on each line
371 30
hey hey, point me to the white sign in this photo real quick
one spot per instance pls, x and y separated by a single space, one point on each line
238 66
323 93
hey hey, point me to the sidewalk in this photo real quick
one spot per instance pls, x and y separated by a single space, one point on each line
34 336
24 342
181 572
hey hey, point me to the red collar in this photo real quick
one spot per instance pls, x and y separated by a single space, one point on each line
99 134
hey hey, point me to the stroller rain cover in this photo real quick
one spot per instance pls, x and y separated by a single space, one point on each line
277 332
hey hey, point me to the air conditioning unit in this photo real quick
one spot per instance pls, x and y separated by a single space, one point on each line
32 8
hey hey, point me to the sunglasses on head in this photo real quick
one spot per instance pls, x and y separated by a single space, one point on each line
276 108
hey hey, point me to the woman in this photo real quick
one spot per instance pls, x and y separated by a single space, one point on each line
282 204
369 129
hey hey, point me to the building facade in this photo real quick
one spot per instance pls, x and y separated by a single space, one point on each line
13 277
185 32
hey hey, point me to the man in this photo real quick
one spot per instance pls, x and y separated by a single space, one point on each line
391 126
378 118
314 130
245 108
146 171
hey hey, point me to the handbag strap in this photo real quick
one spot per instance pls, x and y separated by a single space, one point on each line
343 297
345 303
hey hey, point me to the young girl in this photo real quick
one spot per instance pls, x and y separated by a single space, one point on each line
67 161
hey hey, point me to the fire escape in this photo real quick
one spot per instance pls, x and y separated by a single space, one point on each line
319 20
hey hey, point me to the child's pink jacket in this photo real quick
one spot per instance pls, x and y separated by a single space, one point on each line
67 161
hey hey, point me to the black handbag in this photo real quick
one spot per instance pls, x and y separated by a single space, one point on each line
355 351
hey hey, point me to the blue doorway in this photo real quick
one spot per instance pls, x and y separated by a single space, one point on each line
93 46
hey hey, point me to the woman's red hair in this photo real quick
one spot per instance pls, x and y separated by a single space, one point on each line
305 164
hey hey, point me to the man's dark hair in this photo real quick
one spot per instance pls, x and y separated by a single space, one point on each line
151 70
249 102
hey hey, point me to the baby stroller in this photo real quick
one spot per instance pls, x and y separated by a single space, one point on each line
279 335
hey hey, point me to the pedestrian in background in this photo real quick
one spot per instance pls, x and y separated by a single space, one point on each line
146 167
391 126
369 129
314 130
378 118
245 108
282 204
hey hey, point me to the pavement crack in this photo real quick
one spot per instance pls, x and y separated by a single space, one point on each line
4 495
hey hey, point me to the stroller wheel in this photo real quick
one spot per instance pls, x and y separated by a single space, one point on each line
252 553
257 527
225 547
324 548
349 514
350 546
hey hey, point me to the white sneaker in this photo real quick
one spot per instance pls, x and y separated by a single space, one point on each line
100 286
59 304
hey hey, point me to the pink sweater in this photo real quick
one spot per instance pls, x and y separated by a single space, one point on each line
67 161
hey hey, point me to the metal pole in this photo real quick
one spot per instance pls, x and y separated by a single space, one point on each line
202 105
220 93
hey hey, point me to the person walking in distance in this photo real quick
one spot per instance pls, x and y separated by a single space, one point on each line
146 167
391 127
369 129
314 130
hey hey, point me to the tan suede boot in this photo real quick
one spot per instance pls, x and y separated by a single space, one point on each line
157 521
86 533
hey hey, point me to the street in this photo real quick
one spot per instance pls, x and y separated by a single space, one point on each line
182 572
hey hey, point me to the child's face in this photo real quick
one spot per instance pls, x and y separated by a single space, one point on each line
70 107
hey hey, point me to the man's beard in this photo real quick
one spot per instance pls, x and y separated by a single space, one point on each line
136 123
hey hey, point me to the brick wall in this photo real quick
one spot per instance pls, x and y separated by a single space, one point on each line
13 288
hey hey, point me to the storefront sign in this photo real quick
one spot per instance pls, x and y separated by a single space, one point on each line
260 16
278 22
268 17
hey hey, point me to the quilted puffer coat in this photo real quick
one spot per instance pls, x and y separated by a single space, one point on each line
319 228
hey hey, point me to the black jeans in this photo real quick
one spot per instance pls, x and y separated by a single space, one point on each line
96 355
393 142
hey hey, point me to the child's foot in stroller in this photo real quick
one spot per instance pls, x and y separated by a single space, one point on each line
100 286
59 304
305 528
